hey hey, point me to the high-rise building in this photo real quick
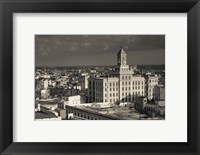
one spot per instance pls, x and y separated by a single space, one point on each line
120 86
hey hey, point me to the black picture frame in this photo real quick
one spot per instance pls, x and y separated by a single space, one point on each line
8 7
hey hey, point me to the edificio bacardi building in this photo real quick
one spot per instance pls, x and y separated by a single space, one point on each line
120 86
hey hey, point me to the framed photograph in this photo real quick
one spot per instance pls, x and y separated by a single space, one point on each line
99 77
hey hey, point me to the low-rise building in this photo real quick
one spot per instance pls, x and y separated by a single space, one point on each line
70 101
140 103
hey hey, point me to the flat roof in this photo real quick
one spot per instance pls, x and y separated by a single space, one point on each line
42 115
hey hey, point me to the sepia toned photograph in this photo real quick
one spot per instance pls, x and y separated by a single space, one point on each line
99 77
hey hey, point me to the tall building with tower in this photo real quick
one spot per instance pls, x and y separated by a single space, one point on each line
119 86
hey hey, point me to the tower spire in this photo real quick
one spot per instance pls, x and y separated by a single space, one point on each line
121 57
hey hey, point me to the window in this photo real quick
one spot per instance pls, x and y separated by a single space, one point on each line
113 94
116 84
135 82
122 94
139 82
110 89
110 84
122 77
116 89
126 77
110 100
122 88
110 95
129 83
122 83
116 94
129 77
129 88
105 95
113 89
105 89
138 87
105 84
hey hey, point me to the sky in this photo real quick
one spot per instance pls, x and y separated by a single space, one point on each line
85 50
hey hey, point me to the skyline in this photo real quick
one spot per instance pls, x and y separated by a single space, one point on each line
98 50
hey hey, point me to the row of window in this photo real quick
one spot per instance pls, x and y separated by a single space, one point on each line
134 88
111 100
126 77
134 93
98 100
112 94
153 80
125 83
134 83
124 94
112 89
112 84
98 95
126 99
124 88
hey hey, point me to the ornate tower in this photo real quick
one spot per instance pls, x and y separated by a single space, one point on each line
125 77
121 57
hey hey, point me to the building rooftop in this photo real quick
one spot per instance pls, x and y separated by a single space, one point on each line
43 115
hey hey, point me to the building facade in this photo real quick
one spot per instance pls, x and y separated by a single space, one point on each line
83 82
119 86
151 83
159 92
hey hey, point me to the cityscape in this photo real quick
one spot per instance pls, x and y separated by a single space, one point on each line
113 90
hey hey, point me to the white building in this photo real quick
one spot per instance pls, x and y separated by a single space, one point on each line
71 101
83 82
45 93
119 86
